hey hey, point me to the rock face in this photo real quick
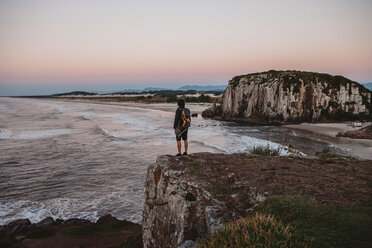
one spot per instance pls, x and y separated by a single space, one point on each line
292 97
189 197
179 210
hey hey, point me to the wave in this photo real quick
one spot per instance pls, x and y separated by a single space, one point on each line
38 134
339 147
85 114
5 134
219 149
250 142
67 208
60 208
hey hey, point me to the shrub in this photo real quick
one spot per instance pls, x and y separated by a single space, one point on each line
172 99
265 150
253 231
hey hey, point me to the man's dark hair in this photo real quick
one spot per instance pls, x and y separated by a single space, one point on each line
181 103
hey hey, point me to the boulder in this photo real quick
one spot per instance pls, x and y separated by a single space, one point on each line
107 219
48 221
76 221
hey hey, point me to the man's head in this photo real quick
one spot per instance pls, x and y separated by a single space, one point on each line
181 103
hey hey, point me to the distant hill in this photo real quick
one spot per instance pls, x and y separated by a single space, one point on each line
203 88
190 88
73 93
368 86
154 89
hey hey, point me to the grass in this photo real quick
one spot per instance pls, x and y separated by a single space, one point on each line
265 150
298 221
253 231
323 225
330 155
195 166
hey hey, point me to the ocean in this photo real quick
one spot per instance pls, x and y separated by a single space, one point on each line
68 159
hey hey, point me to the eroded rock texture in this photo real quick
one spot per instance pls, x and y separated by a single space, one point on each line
179 211
291 97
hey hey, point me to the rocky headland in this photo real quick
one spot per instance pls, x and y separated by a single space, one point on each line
278 97
106 232
325 200
362 133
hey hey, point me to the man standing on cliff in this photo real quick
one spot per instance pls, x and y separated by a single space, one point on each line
181 125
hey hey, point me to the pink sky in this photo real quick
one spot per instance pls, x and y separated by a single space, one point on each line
70 41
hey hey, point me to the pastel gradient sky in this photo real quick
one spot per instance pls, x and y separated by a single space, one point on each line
54 45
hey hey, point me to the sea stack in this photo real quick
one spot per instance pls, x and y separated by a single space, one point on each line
278 97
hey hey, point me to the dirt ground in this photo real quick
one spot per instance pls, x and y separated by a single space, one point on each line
330 179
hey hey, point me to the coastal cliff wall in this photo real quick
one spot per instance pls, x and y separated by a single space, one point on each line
292 97
179 210
190 197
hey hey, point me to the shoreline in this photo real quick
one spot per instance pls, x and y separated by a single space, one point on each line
361 148
158 105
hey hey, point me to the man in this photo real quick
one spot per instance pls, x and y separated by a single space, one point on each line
181 125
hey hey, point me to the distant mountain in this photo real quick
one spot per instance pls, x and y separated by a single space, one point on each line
197 88
153 89
203 88
130 91
368 86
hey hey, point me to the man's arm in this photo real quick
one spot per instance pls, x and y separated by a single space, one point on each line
176 119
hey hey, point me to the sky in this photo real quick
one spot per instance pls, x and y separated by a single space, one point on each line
53 46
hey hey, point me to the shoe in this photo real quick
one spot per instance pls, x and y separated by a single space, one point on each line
185 153
178 154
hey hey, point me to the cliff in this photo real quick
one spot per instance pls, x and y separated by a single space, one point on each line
292 97
188 198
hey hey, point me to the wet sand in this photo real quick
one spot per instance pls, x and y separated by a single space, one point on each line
361 148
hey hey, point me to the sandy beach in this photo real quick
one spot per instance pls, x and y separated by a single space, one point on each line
360 148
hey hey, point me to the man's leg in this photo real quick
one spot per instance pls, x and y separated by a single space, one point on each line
186 145
179 146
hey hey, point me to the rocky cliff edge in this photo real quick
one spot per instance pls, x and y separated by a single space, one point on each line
188 198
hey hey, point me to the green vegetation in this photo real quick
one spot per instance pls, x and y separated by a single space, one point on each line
322 225
292 77
265 150
195 166
298 221
201 98
253 231
73 93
